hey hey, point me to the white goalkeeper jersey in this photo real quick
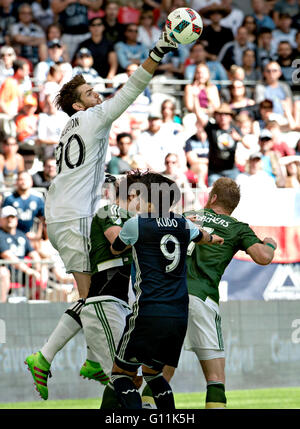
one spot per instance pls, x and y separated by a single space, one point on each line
80 156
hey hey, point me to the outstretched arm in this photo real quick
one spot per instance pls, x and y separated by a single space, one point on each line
263 253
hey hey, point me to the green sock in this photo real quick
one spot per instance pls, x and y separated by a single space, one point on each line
147 396
215 395
109 399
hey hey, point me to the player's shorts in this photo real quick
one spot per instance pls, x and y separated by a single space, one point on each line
151 341
204 333
103 319
71 240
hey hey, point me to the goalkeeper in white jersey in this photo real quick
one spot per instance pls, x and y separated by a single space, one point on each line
75 192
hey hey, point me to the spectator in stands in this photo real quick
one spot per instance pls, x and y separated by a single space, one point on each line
102 50
122 162
284 31
292 171
7 18
152 144
27 122
54 56
250 23
13 88
42 179
84 65
296 51
73 18
26 35
15 246
250 131
265 48
53 32
7 58
42 13
250 67
215 35
238 97
113 30
273 89
148 33
174 172
234 19
261 18
232 52
290 7
121 78
11 162
196 150
169 119
201 91
130 51
198 56
279 139
270 158
296 19
255 178
223 137
285 60
51 123
30 207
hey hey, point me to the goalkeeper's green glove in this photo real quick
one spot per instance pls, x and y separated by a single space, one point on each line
162 47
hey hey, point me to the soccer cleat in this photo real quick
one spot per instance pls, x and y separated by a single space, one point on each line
93 371
40 370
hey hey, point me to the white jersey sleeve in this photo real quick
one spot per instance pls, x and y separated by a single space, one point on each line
80 156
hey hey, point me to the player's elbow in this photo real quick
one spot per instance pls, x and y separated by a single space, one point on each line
261 254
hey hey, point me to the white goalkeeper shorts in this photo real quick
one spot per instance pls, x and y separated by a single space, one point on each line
204 333
71 240
103 320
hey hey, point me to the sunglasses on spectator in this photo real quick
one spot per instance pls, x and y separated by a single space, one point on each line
272 70
97 24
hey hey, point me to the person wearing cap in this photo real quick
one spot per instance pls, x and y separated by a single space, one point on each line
270 158
55 55
102 50
215 35
255 178
84 65
15 246
223 137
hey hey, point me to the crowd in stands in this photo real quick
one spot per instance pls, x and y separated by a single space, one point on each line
228 105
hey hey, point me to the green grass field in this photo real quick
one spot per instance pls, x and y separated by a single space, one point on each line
275 398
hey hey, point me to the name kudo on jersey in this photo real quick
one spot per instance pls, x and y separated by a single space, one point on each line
164 221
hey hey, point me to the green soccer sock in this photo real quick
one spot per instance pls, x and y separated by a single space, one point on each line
147 398
109 399
215 395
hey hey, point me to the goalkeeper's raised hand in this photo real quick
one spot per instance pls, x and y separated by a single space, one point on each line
162 47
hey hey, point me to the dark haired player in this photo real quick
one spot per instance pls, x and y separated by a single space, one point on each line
156 328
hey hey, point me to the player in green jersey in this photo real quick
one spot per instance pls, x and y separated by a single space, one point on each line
205 267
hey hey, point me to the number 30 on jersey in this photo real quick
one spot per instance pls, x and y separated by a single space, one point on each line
71 154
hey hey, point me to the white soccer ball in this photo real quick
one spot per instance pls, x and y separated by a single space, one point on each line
184 25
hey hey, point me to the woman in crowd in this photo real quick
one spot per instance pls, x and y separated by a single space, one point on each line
201 91
11 162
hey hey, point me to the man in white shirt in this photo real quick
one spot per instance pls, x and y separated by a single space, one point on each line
74 194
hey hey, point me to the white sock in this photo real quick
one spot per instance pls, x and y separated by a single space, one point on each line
68 326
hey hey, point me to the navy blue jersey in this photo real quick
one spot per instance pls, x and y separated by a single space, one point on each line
18 243
27 209
159 247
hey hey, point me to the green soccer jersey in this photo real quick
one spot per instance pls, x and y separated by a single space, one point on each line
206 263
101 257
